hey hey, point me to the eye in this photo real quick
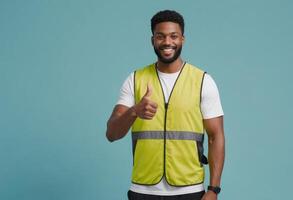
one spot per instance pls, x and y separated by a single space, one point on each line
174 37
159 37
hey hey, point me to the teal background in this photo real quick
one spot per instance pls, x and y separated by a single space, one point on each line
62 64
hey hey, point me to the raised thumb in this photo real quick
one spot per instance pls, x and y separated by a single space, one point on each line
149 90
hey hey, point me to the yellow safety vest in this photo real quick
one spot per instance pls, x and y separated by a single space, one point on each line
171 144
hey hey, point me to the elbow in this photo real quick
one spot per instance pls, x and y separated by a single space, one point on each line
109 133
211 138
110 138
217 137
112 135
113 132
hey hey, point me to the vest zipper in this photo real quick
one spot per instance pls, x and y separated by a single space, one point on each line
165 119
165 129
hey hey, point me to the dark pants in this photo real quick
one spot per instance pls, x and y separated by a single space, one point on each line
138 196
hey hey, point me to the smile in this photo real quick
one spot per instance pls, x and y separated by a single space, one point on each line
168 50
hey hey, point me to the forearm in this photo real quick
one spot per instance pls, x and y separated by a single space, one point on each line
216 158
119 125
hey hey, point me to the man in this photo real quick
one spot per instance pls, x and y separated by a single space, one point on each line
169 105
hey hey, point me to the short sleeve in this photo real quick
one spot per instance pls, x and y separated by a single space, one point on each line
126 96
210 101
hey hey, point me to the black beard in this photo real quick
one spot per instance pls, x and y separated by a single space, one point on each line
170 60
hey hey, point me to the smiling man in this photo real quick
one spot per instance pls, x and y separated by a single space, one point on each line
169 105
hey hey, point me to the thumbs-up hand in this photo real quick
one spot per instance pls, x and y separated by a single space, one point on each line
146 108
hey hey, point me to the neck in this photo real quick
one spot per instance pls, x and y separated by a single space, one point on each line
170 67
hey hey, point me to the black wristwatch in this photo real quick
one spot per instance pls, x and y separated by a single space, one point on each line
215 189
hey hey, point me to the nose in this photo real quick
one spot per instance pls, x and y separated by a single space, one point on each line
167 40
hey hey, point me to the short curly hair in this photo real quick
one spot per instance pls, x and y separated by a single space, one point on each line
167 16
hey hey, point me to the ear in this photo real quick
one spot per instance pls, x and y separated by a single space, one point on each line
183 39
152 40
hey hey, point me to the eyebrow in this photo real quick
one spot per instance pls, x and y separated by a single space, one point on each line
161 33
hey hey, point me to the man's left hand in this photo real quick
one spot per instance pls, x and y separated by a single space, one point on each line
209 195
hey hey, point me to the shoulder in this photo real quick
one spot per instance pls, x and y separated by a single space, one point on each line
209 82
210 99
139 69
145 69
194 68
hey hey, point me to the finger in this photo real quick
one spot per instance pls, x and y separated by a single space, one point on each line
149 91
147 118
153 104
151 109
149 114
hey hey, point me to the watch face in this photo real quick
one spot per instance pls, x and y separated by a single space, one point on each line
216 189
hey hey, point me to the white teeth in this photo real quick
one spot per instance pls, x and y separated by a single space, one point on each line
168 50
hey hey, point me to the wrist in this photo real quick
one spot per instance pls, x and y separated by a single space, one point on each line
133 112
214 189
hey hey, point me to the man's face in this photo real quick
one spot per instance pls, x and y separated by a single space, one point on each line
167 41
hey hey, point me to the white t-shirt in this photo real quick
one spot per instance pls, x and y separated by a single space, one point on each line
210 107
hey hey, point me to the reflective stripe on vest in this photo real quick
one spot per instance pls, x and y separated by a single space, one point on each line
170 135
170 144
